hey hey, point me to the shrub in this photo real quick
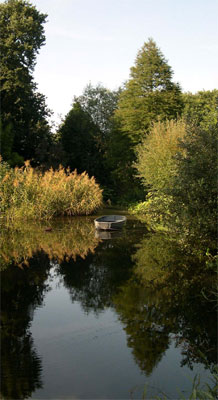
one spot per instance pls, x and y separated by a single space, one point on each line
156 163
26 193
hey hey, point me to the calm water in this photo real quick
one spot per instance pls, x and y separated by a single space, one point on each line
90 317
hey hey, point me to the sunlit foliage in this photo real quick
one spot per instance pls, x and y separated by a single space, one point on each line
149 94
201 108
155 155
156 166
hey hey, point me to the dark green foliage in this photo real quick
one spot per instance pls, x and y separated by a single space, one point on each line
86 133
100 103
126 186
149 94
22 107
49 153
22 36
7 139
194 189
79 138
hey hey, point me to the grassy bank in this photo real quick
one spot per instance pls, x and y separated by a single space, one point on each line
27 193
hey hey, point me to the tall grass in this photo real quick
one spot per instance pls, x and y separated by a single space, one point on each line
200 391
27 193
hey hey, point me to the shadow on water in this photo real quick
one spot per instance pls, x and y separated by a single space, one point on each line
153 285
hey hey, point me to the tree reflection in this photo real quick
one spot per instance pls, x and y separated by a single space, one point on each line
155 287
145 324
93 281
32 247
22 290
163 300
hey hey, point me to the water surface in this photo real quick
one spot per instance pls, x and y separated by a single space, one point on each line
91 317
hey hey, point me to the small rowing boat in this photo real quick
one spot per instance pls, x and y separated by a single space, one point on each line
110 222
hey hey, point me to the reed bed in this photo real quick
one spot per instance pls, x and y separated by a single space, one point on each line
27 193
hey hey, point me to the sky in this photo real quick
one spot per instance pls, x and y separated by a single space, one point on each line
96 41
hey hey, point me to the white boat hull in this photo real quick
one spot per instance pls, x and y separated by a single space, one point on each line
110 222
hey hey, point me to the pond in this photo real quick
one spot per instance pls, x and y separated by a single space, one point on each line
90 316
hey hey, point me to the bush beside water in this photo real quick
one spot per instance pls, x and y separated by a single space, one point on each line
27 193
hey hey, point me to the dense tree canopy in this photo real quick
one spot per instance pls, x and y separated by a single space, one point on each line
79 137
100 103
194 187
201 108
22 36
179 163
86 132
23 109
119 161
149 94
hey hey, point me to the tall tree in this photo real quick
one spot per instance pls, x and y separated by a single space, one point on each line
119 157
100 103
79 137
149 94
22 107
86 131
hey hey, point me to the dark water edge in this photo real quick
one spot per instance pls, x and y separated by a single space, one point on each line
85 317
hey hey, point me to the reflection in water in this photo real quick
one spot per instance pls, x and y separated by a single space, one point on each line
172 300
63 239
105 235
94 280
31 247
153 285
147 334
21 292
